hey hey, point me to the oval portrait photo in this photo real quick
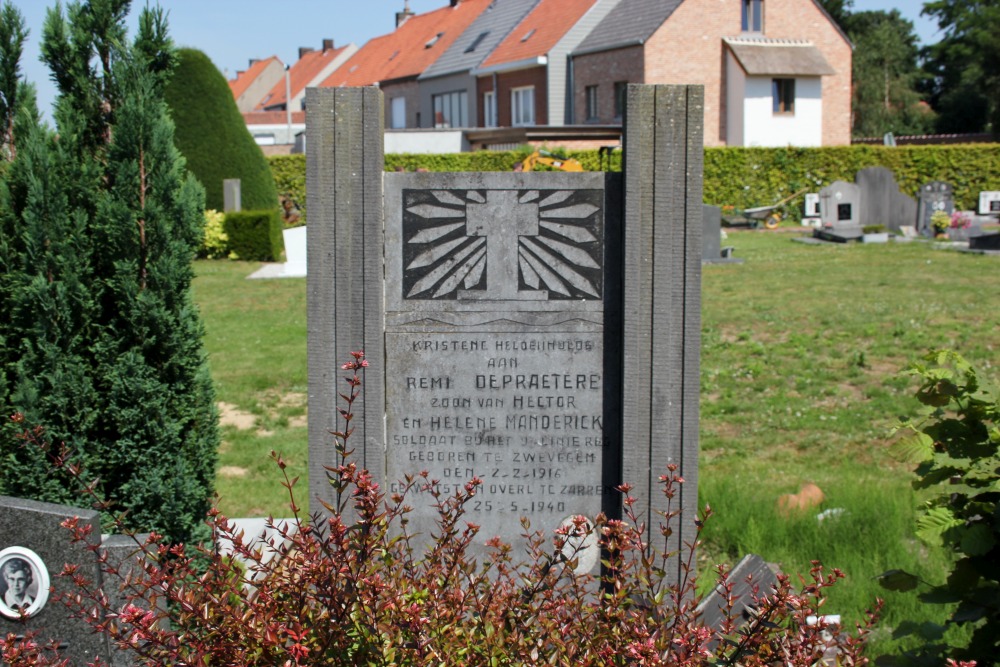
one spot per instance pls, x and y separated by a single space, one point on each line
24 582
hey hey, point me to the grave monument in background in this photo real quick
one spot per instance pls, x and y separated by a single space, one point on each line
537 330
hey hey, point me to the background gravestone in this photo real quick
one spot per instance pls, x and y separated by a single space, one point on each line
711 238
934 196
509 309
881 201
840 210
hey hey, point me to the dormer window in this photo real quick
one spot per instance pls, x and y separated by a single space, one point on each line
433 40
753 15
477 41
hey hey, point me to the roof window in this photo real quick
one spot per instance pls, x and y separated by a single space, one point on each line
477 41
528 35
433 40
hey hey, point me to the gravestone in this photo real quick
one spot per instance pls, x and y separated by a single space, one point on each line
934 196
711 237
231 195
989 203
33 541
510 319
840 204
881 201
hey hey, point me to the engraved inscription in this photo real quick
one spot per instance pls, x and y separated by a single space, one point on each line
502 245
523 412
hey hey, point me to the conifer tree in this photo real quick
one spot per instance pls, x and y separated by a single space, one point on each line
102 346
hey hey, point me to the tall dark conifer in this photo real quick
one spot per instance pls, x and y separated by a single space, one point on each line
103 344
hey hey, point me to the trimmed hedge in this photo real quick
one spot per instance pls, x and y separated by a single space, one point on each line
255 235
212 136
743 177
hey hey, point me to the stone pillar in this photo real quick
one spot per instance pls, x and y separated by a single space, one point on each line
344 194
663 164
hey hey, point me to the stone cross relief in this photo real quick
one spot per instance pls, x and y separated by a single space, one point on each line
502 245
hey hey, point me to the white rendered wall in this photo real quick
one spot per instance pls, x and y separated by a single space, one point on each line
762 127
425 141
736 81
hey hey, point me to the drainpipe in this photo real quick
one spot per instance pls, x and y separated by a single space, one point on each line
496 102
569 116
288 103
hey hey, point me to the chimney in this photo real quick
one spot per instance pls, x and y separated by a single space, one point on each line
454 3
304 50
403 15
327 44
254 60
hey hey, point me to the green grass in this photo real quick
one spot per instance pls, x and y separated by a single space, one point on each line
802 349
255 336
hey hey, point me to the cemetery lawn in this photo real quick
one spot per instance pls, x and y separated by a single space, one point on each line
802 353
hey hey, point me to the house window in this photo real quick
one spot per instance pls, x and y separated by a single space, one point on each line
783 96
398 113
450 109
753 15
489 109
620 88
522 106
591 92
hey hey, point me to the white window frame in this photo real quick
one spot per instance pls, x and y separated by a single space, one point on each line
397 111
490 108
522 106
450 104
752 19
783 96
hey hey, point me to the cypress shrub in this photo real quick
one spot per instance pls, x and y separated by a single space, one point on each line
101 338
254 235
212 136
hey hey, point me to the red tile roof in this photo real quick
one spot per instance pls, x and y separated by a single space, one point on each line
309 66
272 117
243 80
539 31
410 49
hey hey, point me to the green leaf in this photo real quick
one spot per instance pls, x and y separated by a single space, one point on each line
977 540
914 448
934 523
897 580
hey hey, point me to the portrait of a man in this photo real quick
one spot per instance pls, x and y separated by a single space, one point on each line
24 582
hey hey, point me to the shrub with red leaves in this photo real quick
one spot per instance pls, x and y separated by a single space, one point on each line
358 591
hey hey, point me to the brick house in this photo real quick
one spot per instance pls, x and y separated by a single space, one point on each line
252 84
522 82
394 61
775 72
447 87
311 68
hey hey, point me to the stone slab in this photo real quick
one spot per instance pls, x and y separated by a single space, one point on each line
36 527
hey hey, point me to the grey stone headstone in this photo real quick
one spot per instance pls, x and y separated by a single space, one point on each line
934 196
36 526
231 197
840 204
881 201
501 311
751 580
711 233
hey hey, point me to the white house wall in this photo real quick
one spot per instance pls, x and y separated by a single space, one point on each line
736 83
762 127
